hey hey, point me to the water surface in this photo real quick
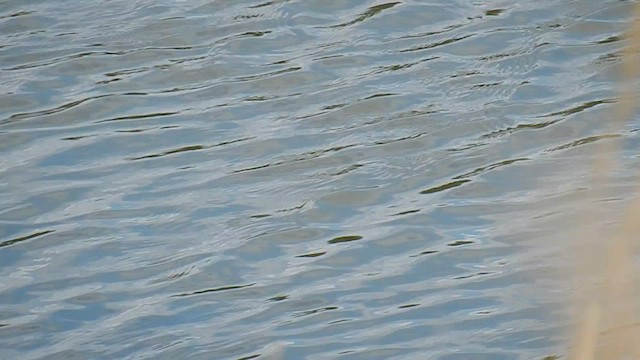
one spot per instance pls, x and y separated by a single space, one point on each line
291 179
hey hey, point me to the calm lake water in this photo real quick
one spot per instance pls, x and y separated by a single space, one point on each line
298 179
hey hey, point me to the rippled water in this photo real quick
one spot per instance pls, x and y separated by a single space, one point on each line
317 179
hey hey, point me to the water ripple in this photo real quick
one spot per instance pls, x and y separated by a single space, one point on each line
297 179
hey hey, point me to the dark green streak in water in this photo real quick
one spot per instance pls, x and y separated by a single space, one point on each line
342 239
223 288
447 186
372 11
24 238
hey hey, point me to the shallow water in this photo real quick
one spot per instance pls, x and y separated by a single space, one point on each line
297 179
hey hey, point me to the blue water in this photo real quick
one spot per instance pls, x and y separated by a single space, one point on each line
310 179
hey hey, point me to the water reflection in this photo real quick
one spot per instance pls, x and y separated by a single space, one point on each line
296 179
